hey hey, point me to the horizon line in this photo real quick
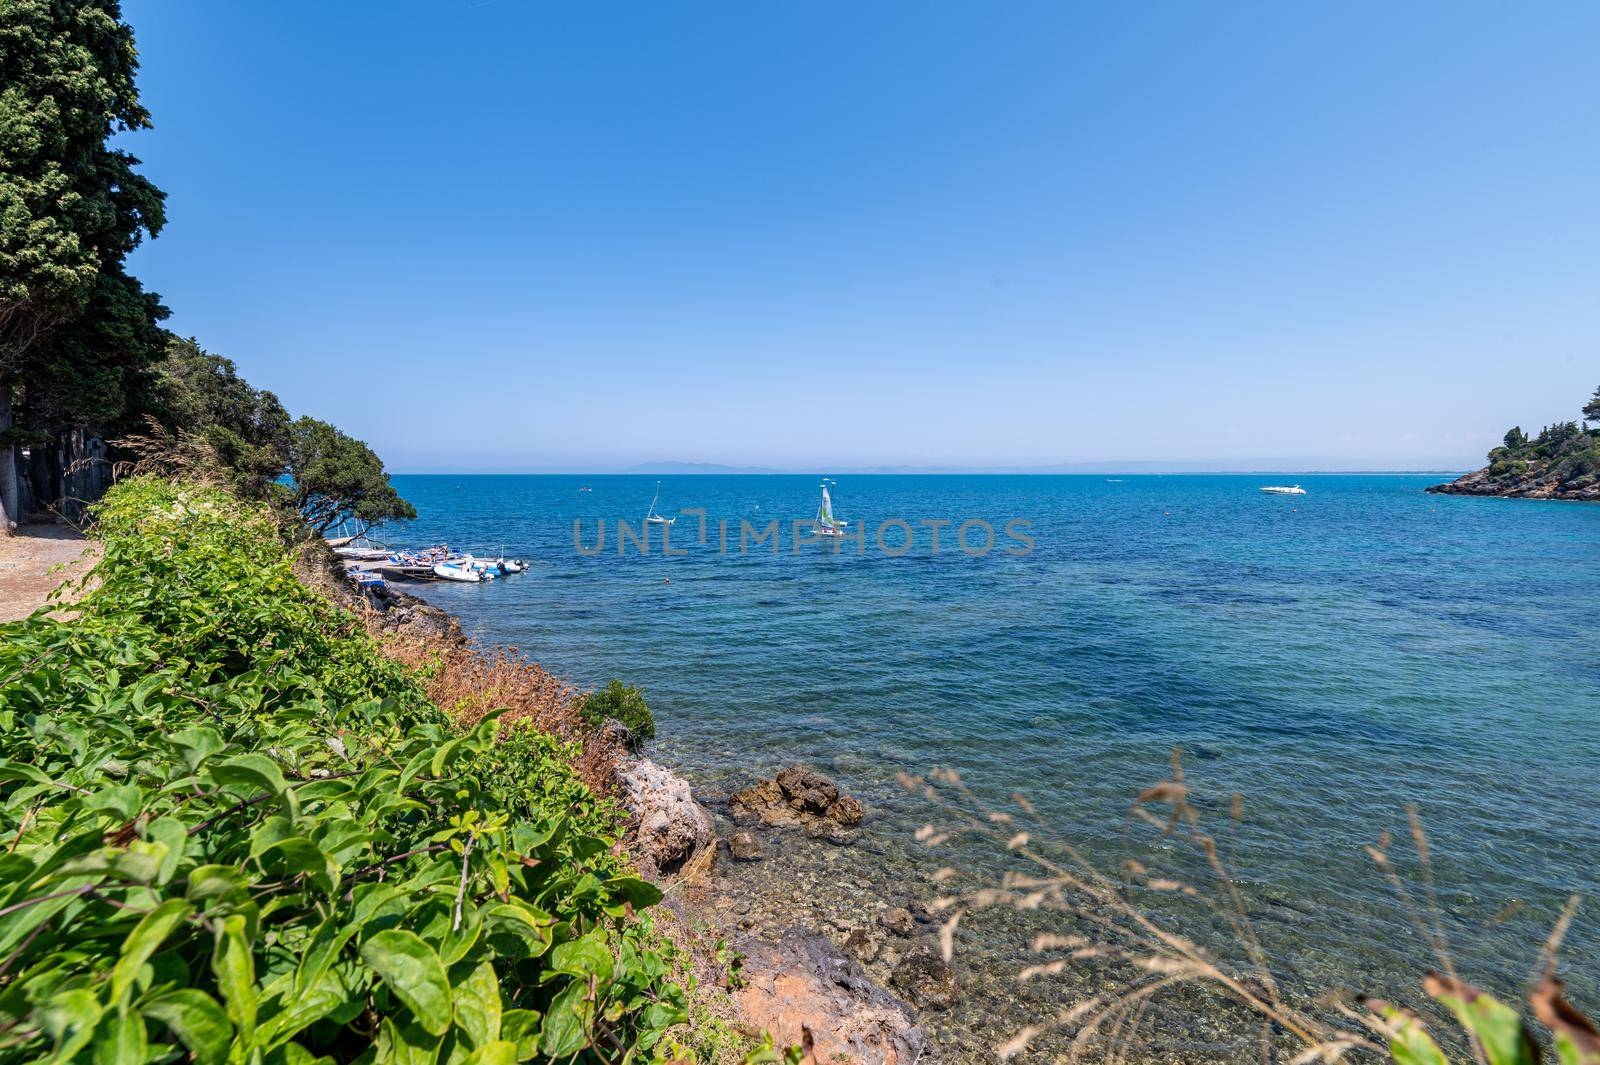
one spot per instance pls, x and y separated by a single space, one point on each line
937 472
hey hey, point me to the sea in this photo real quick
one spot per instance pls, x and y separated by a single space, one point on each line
1362 666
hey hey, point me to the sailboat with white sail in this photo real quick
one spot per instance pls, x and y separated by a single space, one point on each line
826 524
653 518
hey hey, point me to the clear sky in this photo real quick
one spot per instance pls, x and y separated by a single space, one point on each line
532 236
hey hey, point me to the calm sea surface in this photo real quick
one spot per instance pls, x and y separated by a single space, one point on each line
1329 657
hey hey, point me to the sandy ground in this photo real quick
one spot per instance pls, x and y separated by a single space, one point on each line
34 562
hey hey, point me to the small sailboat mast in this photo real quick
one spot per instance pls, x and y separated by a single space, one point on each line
652 518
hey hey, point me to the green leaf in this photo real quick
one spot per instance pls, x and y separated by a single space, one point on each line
411 969
197 745
514 932
234 967
69 1019
172 834
216 882
565 1030
122 801
640 893
146 688
444 754
522 1028
120 1040
586 957
297 854
142 942
1497 1027
248 774
406 1043
326 943
305 1007
412 768
1409 1043
477 1004
196 1019
500 1052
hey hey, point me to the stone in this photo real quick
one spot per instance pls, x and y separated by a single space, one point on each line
925 981
742 847
846 810
803 982
899 921
673 834
860 943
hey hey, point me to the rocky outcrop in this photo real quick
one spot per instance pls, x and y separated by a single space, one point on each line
1537 481
673 835
803 983
799 798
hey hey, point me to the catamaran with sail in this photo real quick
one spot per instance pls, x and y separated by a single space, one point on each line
653 518
826 524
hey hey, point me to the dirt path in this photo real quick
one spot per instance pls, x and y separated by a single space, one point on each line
34 562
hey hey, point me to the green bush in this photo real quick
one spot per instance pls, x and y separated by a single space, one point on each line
236 831
623 702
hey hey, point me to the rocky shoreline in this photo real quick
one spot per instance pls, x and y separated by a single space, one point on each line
1537 482
800 977
796 982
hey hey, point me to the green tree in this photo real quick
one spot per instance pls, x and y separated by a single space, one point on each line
1591 410
336 478
71 207
1516 439
246 427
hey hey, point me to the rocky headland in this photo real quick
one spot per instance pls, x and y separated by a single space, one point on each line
1561 462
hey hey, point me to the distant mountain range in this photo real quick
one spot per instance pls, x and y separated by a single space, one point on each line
678 469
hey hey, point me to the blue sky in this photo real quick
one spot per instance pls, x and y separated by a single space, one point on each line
508 236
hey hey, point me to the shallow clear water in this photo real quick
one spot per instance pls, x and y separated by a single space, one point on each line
1329 656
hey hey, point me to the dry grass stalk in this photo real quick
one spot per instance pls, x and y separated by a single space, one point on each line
1123 932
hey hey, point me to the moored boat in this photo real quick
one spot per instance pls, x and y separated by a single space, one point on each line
455 571
1283 490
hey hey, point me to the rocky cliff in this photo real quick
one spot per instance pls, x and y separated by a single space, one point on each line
1530 480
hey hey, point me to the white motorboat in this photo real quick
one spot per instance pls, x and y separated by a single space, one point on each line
1284 490
653 518
826 524
456 571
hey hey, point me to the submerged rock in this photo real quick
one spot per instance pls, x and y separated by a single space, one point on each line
925 980
862 945
673 835
899 921
742 847
803 983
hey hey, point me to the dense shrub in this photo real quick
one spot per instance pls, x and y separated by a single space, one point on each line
623 702
237 831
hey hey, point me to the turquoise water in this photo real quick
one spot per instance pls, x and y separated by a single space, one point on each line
1330 657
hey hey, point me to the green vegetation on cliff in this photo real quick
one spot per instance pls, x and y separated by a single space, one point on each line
238 833
1562 462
